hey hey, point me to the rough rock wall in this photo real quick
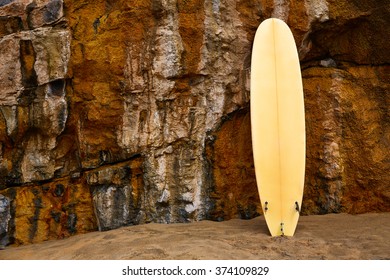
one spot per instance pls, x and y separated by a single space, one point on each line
125 112
45 202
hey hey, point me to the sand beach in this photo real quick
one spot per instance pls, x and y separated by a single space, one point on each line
324 237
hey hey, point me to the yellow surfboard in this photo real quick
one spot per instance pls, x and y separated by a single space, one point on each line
278 125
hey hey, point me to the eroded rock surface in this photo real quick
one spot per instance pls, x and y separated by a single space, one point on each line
5 217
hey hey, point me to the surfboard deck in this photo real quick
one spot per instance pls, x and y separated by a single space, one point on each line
278 125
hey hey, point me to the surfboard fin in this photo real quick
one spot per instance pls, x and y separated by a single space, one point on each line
281 228
297 206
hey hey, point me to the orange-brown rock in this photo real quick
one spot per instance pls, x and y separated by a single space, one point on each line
348 139
52 210
234 183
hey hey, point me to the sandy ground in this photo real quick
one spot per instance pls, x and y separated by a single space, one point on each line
335 236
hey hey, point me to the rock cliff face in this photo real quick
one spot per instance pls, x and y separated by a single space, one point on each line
123 112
